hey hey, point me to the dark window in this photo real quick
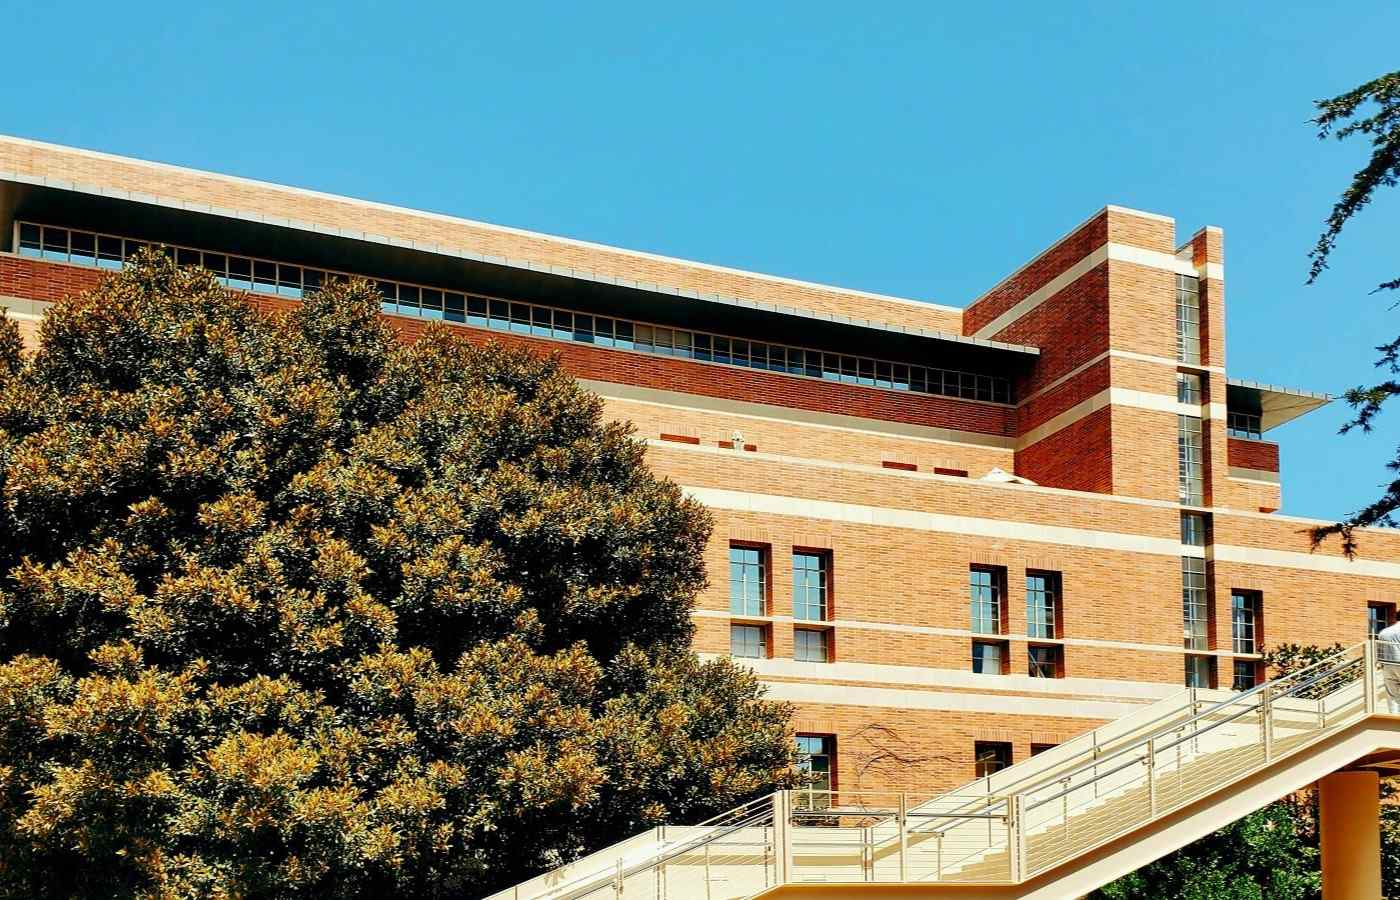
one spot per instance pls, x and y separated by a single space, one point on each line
1379 616
1037 749
29 243
1246 674
748 580
1244 425
1046 661
810 582
990 757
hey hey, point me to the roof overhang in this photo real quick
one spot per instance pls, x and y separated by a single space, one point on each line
154 218
1273 404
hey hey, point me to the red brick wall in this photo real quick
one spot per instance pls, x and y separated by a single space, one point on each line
1247 454
38 280
1079 457
1036 274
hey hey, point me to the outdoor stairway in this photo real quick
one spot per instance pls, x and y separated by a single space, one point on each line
1024 822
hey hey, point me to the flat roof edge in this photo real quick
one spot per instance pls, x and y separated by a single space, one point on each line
518 264
506 229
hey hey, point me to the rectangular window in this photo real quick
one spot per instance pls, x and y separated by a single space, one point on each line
1190 461
1188 319
810 575
1042 604
1046 661
1244 425
990 757
1244 621
988 658
1379 616
748 641
811 645
986 587
816 756
1194 608
1246 675
1188 388
1193 529
1037 749
748 580
1200 671
29 244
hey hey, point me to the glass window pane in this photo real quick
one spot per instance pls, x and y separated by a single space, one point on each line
109 252
240 273
29 240
84 247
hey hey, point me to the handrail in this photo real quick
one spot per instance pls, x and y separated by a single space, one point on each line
1054 774
779 832
591 880
1214 707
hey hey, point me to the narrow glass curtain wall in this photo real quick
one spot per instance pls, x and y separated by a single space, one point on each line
1195 611
1188 319
1190 461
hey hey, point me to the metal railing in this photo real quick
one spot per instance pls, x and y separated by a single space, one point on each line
1003 828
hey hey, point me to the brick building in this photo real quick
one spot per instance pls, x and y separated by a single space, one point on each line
950 536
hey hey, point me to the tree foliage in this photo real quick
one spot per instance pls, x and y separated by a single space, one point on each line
290 609
1371 111
1270 854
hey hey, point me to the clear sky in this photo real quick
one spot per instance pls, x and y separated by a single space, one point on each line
919 149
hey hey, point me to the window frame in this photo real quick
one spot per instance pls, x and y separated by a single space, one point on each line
802 641
803 606
741 603
764 644
1044 620
991 757
987 589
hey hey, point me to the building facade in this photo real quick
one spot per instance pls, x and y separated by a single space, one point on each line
949 536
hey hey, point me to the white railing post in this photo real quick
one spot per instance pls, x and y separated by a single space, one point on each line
1266 721
1368 679
903 836
782 835
1151 782
1017 838
618 880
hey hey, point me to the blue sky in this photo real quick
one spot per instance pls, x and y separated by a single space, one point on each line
917 149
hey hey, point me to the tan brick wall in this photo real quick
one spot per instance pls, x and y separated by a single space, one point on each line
276 202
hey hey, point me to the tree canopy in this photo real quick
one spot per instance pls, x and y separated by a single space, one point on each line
289 608
1371 111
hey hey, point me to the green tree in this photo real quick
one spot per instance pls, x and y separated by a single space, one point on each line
290 609
1269 854
1372 112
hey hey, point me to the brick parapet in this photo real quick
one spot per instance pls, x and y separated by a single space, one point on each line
274 203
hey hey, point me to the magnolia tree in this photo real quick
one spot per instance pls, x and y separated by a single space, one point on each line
288 608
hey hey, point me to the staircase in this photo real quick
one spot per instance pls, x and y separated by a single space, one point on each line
1014 827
